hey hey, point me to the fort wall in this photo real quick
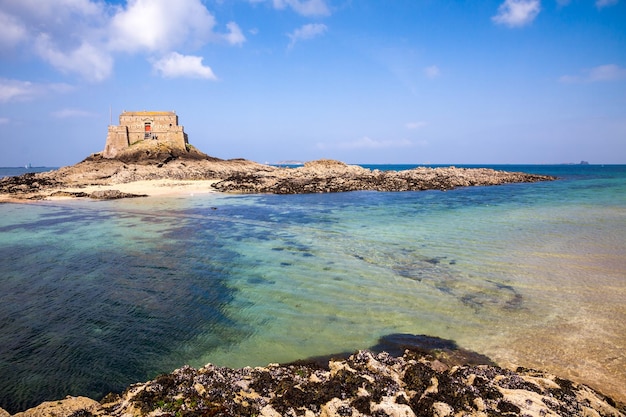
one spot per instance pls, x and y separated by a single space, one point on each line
159 126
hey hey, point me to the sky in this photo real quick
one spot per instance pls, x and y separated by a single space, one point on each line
361 81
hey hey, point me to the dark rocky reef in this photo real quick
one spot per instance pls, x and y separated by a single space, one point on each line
97 195
324 176
416 383
27 184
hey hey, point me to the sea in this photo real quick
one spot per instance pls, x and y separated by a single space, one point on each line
97 295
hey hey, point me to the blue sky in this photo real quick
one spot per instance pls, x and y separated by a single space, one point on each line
394 81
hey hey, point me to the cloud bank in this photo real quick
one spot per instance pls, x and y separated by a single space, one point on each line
101 31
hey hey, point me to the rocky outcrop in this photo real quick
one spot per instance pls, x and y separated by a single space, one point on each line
97 195
365 384
149 152
334 176
27 185
154 164
242 176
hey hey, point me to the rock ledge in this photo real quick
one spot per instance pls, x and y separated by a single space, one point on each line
365 384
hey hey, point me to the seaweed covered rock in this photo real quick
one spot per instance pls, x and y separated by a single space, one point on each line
27 186
365 384
325 176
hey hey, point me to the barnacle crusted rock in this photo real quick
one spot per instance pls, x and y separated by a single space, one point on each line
365 384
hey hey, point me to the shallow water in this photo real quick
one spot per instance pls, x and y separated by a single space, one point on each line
97 295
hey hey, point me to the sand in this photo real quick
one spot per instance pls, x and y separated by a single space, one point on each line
151 188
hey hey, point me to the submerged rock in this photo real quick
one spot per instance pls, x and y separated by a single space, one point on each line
113 195
365 384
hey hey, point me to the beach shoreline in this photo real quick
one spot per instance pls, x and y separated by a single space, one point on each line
151 188
141 188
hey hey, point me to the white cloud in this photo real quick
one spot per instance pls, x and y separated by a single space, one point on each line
432 72
367 143
71 113
17 90
89 61
4 120
83 36
415 125
14 90
45 10
175 65
234 35
609 72
67 34
606 3
516 13
308 31
12 31
68 22
160 25
303 7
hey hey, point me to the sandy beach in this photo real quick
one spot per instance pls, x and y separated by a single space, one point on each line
151 188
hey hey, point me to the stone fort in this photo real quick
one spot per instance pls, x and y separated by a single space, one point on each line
136 126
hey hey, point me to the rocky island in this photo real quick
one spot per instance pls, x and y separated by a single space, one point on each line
151 151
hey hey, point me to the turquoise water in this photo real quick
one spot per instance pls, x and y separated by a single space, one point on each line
95 295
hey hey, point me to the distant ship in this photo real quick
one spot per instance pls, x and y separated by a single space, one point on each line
28 166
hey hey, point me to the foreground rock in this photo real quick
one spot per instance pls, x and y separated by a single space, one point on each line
242 176
365 384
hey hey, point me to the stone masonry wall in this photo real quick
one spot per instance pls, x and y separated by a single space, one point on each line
145 125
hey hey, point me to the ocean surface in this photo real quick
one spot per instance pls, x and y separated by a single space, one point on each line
96 295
